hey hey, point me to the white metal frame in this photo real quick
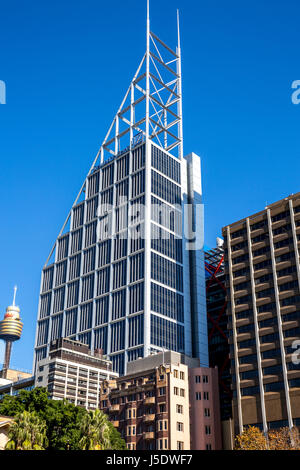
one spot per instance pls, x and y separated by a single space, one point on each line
150 110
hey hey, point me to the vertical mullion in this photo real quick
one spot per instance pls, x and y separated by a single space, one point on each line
260 375
234 335
281 339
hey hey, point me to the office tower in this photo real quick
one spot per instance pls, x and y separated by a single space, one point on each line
72 373
121 276
218 333
263 278
165 402
10 330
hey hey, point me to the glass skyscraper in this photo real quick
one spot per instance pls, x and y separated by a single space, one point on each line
126 274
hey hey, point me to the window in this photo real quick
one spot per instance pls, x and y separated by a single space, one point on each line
205 396
182 392
205 379
237 233
176 390
162 408
182 375
130 430
131 413
162 444
274 387
176 373
131 446
162 391
198 395
197 379
179 409
180 445
179 426
208 446
206 412
162 425
207 430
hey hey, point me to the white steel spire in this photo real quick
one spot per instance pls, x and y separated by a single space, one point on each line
151 108
154 96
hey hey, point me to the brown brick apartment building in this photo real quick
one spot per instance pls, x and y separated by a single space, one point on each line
152 406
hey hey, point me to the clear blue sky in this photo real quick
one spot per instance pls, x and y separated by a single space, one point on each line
67 64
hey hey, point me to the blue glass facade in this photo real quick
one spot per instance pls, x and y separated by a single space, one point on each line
95 290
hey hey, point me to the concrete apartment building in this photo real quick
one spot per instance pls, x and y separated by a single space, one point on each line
155 407
263 280
71 372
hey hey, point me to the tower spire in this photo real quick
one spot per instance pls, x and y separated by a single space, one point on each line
14 299
150 110
178 30
148 12
147 70
179 103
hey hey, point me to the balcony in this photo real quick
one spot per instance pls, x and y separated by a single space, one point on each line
149 435
114 408
149 418
149 401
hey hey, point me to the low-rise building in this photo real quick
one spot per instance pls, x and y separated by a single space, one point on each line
8 387
13 375
71 372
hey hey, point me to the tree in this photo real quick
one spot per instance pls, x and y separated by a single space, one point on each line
284 439
64 421
280 439
27 432
117 443
95 431
251 439
62 418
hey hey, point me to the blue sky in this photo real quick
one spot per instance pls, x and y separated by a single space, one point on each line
67 65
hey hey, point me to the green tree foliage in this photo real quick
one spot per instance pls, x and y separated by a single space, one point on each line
27 432
64 421
95 431
117 442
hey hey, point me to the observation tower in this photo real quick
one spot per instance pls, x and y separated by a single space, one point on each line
10 330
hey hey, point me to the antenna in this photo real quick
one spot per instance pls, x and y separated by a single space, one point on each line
179 90
178 29
15 292
147 94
